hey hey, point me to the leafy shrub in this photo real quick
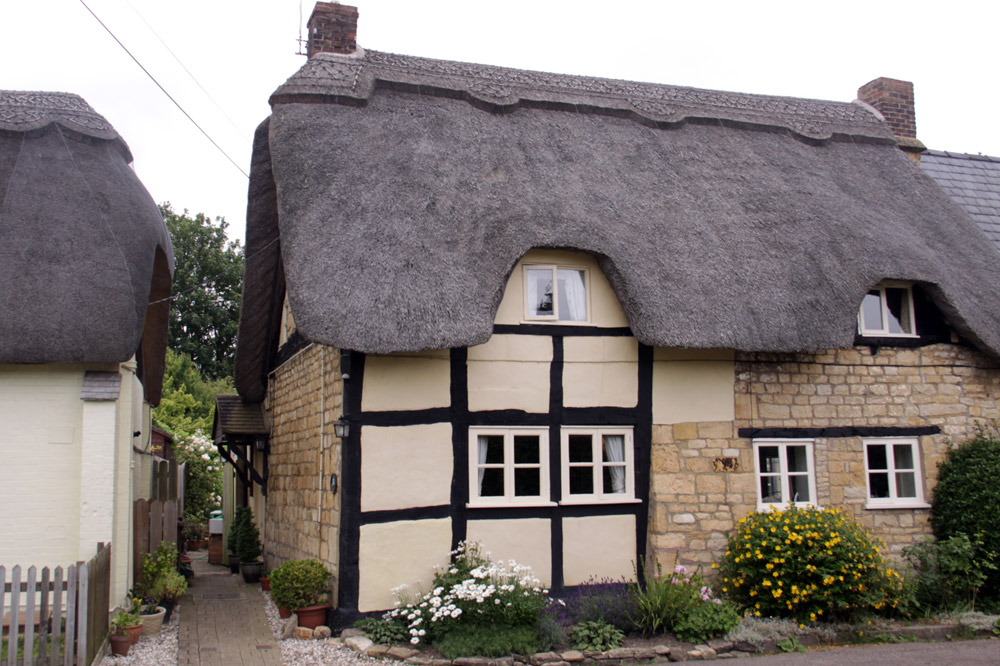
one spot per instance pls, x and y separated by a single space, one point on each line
161 561
299 584
596 635
948 573
240 518
168 586
248 539
666 598
123 620
967 499
806 563
601 601
488 641
382 632
472 592
705 620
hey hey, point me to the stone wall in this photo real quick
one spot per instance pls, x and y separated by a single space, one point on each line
303 517
703 477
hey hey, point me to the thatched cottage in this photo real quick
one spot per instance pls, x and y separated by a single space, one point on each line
584 320
85 274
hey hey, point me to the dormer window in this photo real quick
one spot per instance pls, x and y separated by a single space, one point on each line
555 293
887 311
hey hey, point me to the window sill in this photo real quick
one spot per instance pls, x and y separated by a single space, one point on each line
508 505
786 507
897 505
882 336
594 500
556 322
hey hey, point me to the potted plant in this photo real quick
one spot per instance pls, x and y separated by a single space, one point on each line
121 631
240 518
301 586
152 615
248 550
265 579
166 589
194 535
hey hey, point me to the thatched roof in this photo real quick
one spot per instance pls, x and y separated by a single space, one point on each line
403 191
84 247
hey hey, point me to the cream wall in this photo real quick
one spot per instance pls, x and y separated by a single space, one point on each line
598 547
691 385
527 541
400 553
405 466
415 380
510 372
600 372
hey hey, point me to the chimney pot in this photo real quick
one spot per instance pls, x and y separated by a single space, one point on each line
894 100
333 28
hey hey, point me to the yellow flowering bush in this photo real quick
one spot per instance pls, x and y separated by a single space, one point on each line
806 563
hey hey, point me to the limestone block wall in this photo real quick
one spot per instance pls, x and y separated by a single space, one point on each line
303 516
703 476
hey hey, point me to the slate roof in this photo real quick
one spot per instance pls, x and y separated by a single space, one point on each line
101 385
84 247
394 195
973 182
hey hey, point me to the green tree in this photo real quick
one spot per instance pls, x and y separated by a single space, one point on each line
188 399
208 273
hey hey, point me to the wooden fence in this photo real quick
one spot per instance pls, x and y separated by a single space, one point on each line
59 618
153 521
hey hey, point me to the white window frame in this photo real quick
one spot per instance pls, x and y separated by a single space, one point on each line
784 473
865 330
508 466
597 464
554 317
894 501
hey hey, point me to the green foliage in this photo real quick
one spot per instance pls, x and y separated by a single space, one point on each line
299 584
168 586
967 500
241 516
123 620
549 627
208 273
248 539
663 599
382 632
706 619
488 641
156 564
188 400
949 573
807 564
791 644
602 600
203 474
596 635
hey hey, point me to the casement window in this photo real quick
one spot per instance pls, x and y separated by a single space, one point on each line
893 474
508 466
887 311
556 293
597 465
786 472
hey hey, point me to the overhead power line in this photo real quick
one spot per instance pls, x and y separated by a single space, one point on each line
158 85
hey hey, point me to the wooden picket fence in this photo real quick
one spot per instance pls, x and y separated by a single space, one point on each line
60 618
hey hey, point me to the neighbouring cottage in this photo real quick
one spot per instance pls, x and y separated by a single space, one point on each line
85 272
584 320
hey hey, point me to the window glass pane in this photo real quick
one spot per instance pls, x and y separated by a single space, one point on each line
797 461
614 448
526 482
491 449
614 479
799 487
581 481
878 484
906 484
491 484
902 455
526 449
876 457
572 295
540 292
898 304
581 448
770 489
768 459
871 311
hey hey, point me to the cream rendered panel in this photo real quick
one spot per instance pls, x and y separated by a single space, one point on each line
400 553
414 380
605 310
510 372
405 466
599 547
692 385
601 372
527 541
40 422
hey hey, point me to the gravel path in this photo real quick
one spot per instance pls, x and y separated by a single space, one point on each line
152 650
298 652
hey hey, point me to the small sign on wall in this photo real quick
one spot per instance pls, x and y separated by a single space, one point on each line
726 464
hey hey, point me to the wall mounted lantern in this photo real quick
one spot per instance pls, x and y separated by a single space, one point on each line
341 428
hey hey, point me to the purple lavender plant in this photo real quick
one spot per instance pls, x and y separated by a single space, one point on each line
601 600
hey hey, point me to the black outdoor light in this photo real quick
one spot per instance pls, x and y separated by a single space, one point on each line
341 428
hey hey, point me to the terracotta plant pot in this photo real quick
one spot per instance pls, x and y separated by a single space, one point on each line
194 544
312 616
265 584
134 633
152 623
120 644
284 613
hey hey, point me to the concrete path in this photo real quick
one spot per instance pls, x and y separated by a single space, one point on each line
223 621
965 653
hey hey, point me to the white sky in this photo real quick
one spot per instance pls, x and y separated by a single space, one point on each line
240 51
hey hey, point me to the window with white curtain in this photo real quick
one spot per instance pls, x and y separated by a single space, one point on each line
786 472
597 465
556 293
893 474
508 466
887 311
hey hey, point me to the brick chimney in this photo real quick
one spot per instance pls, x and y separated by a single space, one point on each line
333 28
894 100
